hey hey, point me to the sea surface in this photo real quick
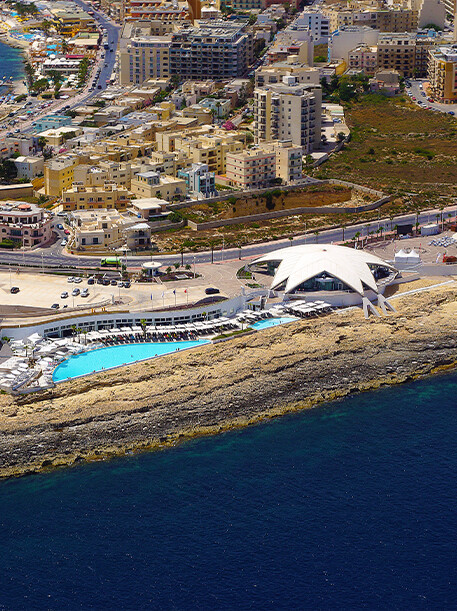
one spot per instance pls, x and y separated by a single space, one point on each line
348 506
10 65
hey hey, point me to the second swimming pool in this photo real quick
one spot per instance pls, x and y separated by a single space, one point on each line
272 322
101 359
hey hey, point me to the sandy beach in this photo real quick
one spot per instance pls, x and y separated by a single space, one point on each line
227 385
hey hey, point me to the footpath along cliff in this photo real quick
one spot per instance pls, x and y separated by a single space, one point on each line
231 384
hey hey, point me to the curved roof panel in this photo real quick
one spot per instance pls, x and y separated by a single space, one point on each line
301 263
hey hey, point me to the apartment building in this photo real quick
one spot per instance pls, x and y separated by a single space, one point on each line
252 169
442 73
288 159
209 146
158 10
59 175
294 40
405 52
200 182
317 23
110 195
364 58
346 38
397 19
275 73
28 167
144 57
24 223
154 184
217 50
109 229
288 111
20 144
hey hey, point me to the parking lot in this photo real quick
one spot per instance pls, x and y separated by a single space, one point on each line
44 290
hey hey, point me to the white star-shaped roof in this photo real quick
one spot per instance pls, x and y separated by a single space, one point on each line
300 263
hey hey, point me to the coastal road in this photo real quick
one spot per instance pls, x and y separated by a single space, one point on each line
53 257
105 63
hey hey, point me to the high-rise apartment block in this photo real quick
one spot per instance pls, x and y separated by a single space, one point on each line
288 111
442 73
217 50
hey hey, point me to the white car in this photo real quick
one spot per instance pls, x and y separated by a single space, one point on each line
64 295
75 292
70 279
63 243
85 293
78 279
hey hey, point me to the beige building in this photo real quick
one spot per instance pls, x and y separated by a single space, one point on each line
154 184
59 175
288 160
442 73
204 145
109 229
23 223
110 196
143 57
288 112
275 73
56 137
404 52
251 169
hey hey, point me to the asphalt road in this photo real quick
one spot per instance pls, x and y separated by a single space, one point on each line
106 65
417 93
53 257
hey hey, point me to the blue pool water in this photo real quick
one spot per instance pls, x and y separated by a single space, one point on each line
272 322
114 356
347 507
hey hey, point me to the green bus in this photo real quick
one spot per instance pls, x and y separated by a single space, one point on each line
110 262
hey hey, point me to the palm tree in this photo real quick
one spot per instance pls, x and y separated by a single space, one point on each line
143 326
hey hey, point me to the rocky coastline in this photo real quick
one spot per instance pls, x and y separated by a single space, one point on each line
232 384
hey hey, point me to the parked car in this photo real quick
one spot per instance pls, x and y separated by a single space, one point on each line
91 280
59 226
78 280
64 295
14 290
70 279
113 282
55 306
85 293
211 291
67 232
75 291
63 243
127 284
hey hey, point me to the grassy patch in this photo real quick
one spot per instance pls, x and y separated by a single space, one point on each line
396 146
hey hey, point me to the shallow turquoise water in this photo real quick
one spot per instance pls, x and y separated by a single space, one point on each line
114 356
272 322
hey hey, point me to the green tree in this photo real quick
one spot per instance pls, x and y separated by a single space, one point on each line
8 171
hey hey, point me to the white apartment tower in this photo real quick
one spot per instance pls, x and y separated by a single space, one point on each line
288 111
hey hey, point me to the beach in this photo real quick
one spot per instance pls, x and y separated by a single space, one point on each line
228 385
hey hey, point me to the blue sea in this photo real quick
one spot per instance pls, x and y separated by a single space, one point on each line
11 64
351 505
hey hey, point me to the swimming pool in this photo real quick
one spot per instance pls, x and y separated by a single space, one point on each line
272 322
114 356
